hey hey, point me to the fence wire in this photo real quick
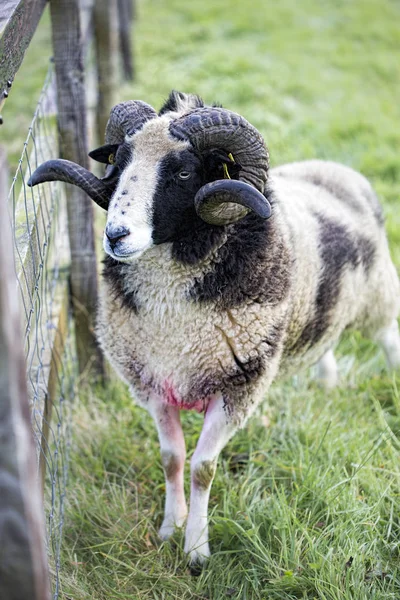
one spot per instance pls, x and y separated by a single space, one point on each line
42 262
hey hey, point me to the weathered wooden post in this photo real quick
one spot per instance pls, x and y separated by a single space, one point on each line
72 125
125 16
106 39
23 565
18 22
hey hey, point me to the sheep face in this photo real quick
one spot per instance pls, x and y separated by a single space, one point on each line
154 199
189 171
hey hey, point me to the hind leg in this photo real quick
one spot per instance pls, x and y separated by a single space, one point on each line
389 340
327 373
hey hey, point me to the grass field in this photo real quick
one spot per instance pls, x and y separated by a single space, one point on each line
309 506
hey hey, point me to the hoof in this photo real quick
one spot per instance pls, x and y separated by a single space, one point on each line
166 531
198 560
196 569
170 526
200 555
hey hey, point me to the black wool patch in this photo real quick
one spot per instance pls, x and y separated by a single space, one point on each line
251 370
175 100
272 342
367 251
373 201
339 249
239 378
174 216
341 192
230 383
253 265
245 373
115 275
197 243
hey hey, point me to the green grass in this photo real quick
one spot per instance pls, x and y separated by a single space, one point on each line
291 506
309 507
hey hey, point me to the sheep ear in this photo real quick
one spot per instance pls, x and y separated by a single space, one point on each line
105 154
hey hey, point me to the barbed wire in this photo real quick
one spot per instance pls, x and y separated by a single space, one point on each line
42 260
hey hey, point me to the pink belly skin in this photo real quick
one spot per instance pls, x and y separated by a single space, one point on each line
172 399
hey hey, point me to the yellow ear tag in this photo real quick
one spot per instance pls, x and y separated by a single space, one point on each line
111 159
226 172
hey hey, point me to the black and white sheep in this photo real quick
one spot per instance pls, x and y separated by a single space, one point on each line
206 300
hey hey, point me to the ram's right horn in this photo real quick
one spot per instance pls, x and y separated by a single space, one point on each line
65 170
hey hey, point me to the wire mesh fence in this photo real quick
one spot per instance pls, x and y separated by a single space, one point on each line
42 260
83 39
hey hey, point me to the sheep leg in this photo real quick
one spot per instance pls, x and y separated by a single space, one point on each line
173 454
327 370
216 432
389 339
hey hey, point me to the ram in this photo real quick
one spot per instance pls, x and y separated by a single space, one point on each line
222 275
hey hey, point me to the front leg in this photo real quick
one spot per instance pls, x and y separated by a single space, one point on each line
173 454
216 432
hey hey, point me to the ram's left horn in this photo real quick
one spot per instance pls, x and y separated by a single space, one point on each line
228 200
65 170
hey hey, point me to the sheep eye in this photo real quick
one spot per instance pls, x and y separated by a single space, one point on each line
184 175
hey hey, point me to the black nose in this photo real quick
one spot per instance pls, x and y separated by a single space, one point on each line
114 234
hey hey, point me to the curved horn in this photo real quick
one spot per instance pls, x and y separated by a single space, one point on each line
220 128
126 118
228 200
65 170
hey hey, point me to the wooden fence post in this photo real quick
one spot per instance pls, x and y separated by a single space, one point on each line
23 564
72 125
125 16
106 39
18 22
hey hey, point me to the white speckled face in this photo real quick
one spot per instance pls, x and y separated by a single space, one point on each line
130 213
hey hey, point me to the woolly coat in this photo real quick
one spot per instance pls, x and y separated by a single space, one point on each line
267 299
